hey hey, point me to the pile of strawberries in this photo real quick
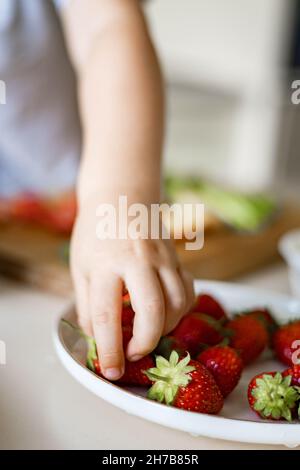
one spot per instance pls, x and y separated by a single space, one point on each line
53 213
201 361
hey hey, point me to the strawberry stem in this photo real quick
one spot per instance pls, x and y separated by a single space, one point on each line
168 376
275 397
91 344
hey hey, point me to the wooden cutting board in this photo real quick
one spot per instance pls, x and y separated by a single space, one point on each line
38 257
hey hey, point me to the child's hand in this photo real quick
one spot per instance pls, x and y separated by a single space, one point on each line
121 99
161 293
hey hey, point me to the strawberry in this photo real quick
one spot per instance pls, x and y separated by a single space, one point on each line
225 365
265 317
271 396
249 337
60 213
283 340
167 344
26 208
96 366
196 330
127 311
127 316
294 372
185 384
126 335
134 371
207 304
56 214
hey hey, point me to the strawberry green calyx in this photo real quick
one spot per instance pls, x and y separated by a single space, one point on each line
92 355
227 333
275 397
91 343
168 376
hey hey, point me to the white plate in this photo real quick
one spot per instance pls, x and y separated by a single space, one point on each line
236 421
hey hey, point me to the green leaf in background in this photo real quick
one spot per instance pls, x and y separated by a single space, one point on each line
240 211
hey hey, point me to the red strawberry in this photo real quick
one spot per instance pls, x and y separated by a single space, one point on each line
271 396
96 366
210 306
26 208
185 384
60 213
56 214
133 374
294 372
225 365
196 330
167 344
127 335
266 318
134 371
127 311
127 316
249 337
283 342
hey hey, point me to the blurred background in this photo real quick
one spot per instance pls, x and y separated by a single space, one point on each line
233 139
229 66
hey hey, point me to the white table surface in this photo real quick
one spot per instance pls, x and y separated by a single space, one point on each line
42 407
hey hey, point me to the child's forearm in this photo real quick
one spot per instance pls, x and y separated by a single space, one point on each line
121 101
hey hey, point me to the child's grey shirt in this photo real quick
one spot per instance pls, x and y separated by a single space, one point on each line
40 135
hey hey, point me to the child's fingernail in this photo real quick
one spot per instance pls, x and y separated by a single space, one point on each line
113 374
135 358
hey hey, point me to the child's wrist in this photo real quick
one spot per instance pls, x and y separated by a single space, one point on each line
115 195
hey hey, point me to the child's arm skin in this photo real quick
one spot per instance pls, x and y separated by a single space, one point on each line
121 101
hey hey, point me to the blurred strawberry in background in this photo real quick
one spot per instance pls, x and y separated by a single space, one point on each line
54 213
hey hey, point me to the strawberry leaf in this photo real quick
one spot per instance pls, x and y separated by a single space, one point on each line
168 376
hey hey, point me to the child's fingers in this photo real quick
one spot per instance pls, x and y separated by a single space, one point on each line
188 283
105 306
82 303
148 303
175 297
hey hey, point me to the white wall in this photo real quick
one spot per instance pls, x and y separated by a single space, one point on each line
225 41
235 48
